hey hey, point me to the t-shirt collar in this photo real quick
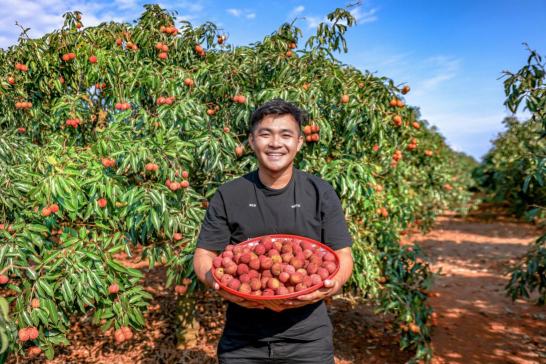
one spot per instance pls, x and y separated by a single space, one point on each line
272 191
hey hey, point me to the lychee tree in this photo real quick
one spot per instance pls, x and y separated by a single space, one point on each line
117 135
515 170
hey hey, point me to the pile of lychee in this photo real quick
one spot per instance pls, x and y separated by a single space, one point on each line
273 267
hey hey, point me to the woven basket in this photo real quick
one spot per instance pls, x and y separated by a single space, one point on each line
274 302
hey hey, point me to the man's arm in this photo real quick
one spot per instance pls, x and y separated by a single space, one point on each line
331 286
202 265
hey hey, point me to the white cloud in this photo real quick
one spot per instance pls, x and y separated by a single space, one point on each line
44 16
294 13
234 12
251 16
361 17
364 17
440 69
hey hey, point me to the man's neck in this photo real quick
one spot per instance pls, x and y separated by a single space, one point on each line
276 180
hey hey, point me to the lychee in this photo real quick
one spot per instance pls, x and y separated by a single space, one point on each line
323 273
245 288
296 262
296 278
234 284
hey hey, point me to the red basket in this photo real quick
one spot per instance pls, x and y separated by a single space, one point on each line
274 302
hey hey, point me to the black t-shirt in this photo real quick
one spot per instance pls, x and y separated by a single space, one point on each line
243 209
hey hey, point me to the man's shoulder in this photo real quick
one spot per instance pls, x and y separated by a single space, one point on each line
319 183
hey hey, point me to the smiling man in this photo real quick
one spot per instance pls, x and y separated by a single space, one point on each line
275 199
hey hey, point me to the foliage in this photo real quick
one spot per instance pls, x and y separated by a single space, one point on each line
508 171
515 170
67 259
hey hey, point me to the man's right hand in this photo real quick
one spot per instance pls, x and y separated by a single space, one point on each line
231 297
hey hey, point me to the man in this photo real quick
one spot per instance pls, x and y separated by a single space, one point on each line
275 199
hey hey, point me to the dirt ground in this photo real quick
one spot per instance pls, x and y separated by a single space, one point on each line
477 324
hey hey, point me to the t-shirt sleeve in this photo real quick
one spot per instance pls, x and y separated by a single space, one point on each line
215 233
335 232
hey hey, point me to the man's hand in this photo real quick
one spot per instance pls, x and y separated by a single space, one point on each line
331 286
228 296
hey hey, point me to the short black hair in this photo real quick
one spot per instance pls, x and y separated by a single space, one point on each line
278 106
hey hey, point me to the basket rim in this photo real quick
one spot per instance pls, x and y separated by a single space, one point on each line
288 296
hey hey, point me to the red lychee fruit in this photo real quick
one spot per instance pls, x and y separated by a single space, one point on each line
180 289
300 287
35 303
273 283
296 262
228 253
46 211
219 273
276 269
253 274
255 284
102 202
114 288
243 269
286 257
329 257
54 208
296 278
263 282
287 248
284 277
308 281
245 258
289 269
323 273
281 291
231 268
24 334
226 278
33 332
245 288
254 264
277 245
330 266
177 236
267 273
266 263
259 249
315 259
4 278
312 268
268 292
244 278
315 279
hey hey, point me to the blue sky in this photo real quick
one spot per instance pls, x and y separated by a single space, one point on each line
450 52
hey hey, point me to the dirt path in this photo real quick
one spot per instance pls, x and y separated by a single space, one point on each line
477 323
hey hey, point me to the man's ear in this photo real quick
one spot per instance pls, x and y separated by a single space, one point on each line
251 141
300 142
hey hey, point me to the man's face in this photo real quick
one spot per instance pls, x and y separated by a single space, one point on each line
276 141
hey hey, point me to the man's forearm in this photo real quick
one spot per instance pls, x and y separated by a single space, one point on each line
345 266
202 263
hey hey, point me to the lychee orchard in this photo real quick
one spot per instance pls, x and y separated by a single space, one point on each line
117 136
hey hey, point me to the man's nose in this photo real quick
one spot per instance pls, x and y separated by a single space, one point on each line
275 141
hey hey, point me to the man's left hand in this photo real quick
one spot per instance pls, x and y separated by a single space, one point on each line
331 286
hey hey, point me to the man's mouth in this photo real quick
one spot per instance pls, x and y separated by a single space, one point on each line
275 155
